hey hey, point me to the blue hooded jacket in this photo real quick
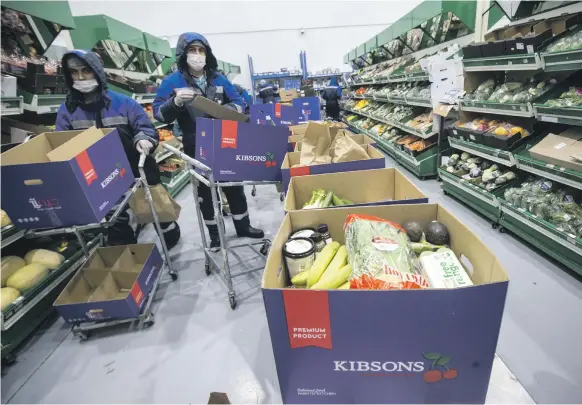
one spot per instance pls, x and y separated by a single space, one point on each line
267 92
218 89
332 91
112 110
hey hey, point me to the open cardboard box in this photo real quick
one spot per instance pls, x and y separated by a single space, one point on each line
380 346
113 284
366 187
218 111
376 161
564 149
64 178
360 139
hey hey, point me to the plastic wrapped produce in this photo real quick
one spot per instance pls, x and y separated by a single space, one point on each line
482 92
567 43
381 255
505 92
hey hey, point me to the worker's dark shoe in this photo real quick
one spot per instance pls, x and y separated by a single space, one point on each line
250 232
214 243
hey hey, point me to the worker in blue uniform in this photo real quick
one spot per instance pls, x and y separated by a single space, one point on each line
246 97
89 103
332 94
267 91
197 76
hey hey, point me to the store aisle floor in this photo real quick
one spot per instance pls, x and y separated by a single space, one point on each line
198 344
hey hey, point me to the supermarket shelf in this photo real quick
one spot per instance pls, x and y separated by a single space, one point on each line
11 106
11 234
562 175
562 61
22 305
486 152
144 98
412 77
397 125
398 100
43 104
419 102
324 75
559 115
516 110
566 248
503 63
281 75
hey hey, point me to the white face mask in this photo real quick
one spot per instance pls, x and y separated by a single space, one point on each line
85 86
196 62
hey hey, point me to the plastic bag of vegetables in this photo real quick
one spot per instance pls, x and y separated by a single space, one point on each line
381 255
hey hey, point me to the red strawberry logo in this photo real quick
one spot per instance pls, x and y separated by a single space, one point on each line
439 362
122 171
268 163
270 160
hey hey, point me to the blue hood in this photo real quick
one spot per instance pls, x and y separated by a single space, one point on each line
333 81
186 39
94 63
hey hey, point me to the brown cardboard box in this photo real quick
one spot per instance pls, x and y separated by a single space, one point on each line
563 150
287 95
218 111
366 187
359 138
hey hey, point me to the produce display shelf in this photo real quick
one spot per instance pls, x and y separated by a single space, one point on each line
364 83
562 175
486 152
398 125
11 106
420 102
316 76
503 63
565 248
11 234
43 103
516 110
479 199
144 98
417 77
562 61
23 304
178 183
559 115
382 145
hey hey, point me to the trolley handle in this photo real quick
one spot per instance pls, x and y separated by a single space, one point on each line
187 158
142 158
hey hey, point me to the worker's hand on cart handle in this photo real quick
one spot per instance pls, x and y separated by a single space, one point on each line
183 96
142 158
144 146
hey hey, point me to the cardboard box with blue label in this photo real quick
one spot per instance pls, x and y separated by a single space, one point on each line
64 178
237 151
414 346
114 283
366 187
309 108
276 114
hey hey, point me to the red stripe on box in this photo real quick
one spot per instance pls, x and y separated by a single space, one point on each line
308 320
300 171
86 166
277 110
229 134
137 294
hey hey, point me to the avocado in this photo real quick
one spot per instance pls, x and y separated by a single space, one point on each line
437 233
413 230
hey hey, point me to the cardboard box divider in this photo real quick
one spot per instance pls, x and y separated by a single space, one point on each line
363 187
360 139
350 333
218 111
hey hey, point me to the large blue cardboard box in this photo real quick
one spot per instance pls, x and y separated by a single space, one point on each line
64 178
114 283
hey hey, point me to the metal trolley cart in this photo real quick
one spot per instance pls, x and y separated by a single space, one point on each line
259 248
146 317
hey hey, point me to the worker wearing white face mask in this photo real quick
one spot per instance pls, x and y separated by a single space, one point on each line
89 103
197 76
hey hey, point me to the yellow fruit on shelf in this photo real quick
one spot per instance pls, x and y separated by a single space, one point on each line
28 277
7 296
10 265
50 259
501 131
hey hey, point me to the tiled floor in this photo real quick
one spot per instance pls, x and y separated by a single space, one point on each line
198 344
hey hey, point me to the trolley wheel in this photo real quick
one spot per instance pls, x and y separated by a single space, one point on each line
265 249
445 192
254 192
149 321
9 360
232 300
423 178
174 276
494 225
502 229
207 268
83 336
282 196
